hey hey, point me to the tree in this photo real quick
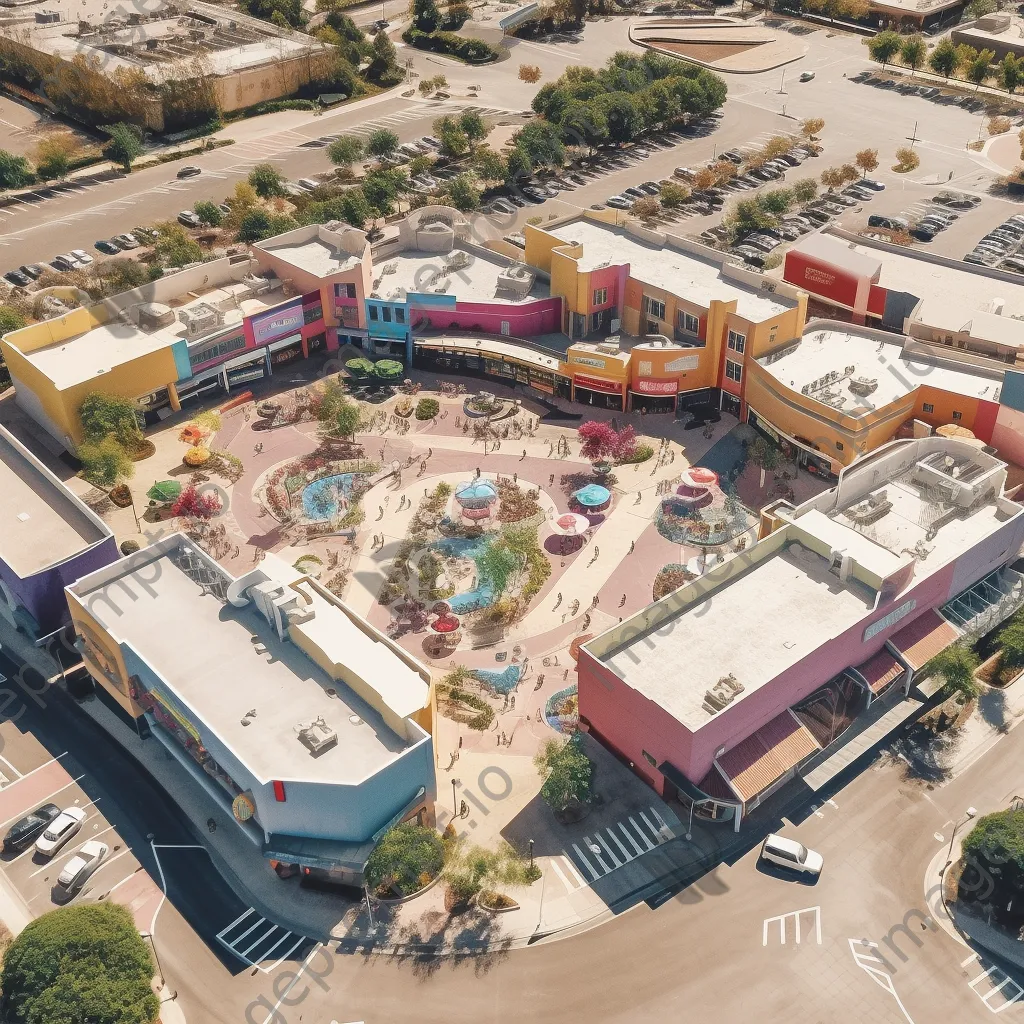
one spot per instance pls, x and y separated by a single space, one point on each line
81 963
625 121
704 178
388 369
979 67
345 150
943 60
956 665
54 156
979 8
454 141
812 126
519 165
10 320
380 189
383 57
463 193
848 173
121 275
355 209
1010 72
192 504
337 413
913 51
499 564
995 849
268 181
103 416
473 127
749 215
583 124
1011 640
599 440
566 771
105 462
382 143
259 224
765 455
832 178
906 160
175 247
646 208
124 144
425 15
777 201
15 171
673 195
404 856
805 190
209 213
885 46
529 73
867 160
490 165
541 144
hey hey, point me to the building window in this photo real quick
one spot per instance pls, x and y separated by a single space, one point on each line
689 323
928 407
654 308
208 352
399 316
374 315
310 314
600 296
737 342
386 313
652 761
345 291
839 446
771 334
733 371
595 321
957 416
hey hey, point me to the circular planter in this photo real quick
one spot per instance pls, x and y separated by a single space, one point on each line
394 901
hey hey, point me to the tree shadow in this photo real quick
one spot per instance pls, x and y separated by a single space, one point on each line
924 756
992 705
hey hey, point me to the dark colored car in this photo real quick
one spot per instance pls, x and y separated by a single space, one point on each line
189 171
25 832
33 270
110 248
17 278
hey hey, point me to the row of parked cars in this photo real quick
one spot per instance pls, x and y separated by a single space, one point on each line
938 215
928 92
1002 247
76 259
49 829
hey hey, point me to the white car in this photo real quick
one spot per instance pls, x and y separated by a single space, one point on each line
189 219
82 256
60 830
308 183
77 870
126 241
788 853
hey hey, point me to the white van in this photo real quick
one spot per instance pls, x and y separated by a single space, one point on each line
788 853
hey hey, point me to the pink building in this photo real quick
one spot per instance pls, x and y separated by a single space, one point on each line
729 687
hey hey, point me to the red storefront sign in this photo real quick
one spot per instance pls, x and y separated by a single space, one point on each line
821 278
581 380
653 386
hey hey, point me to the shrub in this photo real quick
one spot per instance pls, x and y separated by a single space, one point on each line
907 160
566 771
641 453
105 462
427 408
129 547
472 51
404 854
197 455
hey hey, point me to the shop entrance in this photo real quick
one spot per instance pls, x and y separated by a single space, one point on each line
730 404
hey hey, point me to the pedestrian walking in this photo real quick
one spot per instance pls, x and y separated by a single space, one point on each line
523 456
638 497
632 546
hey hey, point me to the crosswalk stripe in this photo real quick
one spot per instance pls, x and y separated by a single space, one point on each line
641 834
615 860
629 835
586 863
618 843
648 824
572 870
558 871
248 949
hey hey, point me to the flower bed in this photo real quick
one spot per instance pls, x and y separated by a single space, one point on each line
671 577
562 710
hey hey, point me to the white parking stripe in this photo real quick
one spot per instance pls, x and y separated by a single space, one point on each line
248 931
270 931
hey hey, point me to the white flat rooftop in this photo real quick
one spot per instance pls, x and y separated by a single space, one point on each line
413 270
41 524
114 343
489 346
792 604
222 662
821 352
313 256
691 278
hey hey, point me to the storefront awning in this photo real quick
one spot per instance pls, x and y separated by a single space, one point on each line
690 790
926 636
582 380
763 758
317 853
878 672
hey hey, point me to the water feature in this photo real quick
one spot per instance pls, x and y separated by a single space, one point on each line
481 596
500 682
320 499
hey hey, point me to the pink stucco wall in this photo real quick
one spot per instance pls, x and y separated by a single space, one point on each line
610 278
1008 435
524 319
630 723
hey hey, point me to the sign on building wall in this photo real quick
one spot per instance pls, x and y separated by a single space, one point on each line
650 386
682 364
900 612
277 323
587 361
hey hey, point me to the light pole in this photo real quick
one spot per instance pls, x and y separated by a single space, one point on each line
689 827
369 911
969 814
531 853
159 967
782 84
455 799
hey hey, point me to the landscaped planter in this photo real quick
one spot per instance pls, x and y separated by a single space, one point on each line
988 672
496 910
394 901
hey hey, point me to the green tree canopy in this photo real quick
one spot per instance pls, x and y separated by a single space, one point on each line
1011 639
124 144
83 963
463 192
382 143
259 224
425 15
383 57
15 171
121 274
956 665
345 150
175 247
209 213
913 51
490 165
540 143
267 180
103 415
10 320
943 60
566 771
1010 72
388 369
473 126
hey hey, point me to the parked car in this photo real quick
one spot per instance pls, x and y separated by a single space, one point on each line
189 171
24 832
82 256
840 199
17 278
110 248
60 830
308 184
807 76
189 219
892 223
429 140
922 234
761 242
652 188
734 155
1017 266
33 270
143 234
77 870
685 173
379 25
619 203
789 160
788 853
503 206
817 217
126 241
749 255
64 261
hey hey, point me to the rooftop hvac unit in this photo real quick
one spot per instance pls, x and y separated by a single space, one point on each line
318 735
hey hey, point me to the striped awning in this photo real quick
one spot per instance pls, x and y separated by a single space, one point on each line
763 758
878 672
926 636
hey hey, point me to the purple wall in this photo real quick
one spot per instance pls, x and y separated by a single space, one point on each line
42 595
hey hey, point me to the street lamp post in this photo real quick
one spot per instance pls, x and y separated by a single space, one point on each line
159 966
968 815
455 799
531 853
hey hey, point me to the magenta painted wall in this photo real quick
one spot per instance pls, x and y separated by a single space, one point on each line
1008 435
524 319
609 278
629 723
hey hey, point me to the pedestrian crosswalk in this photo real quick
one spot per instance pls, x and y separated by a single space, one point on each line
606 849
258 943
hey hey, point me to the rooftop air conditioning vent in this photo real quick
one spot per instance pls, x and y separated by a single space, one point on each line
317 735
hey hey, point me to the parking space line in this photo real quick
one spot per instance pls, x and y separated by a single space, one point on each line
127 878
11 766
